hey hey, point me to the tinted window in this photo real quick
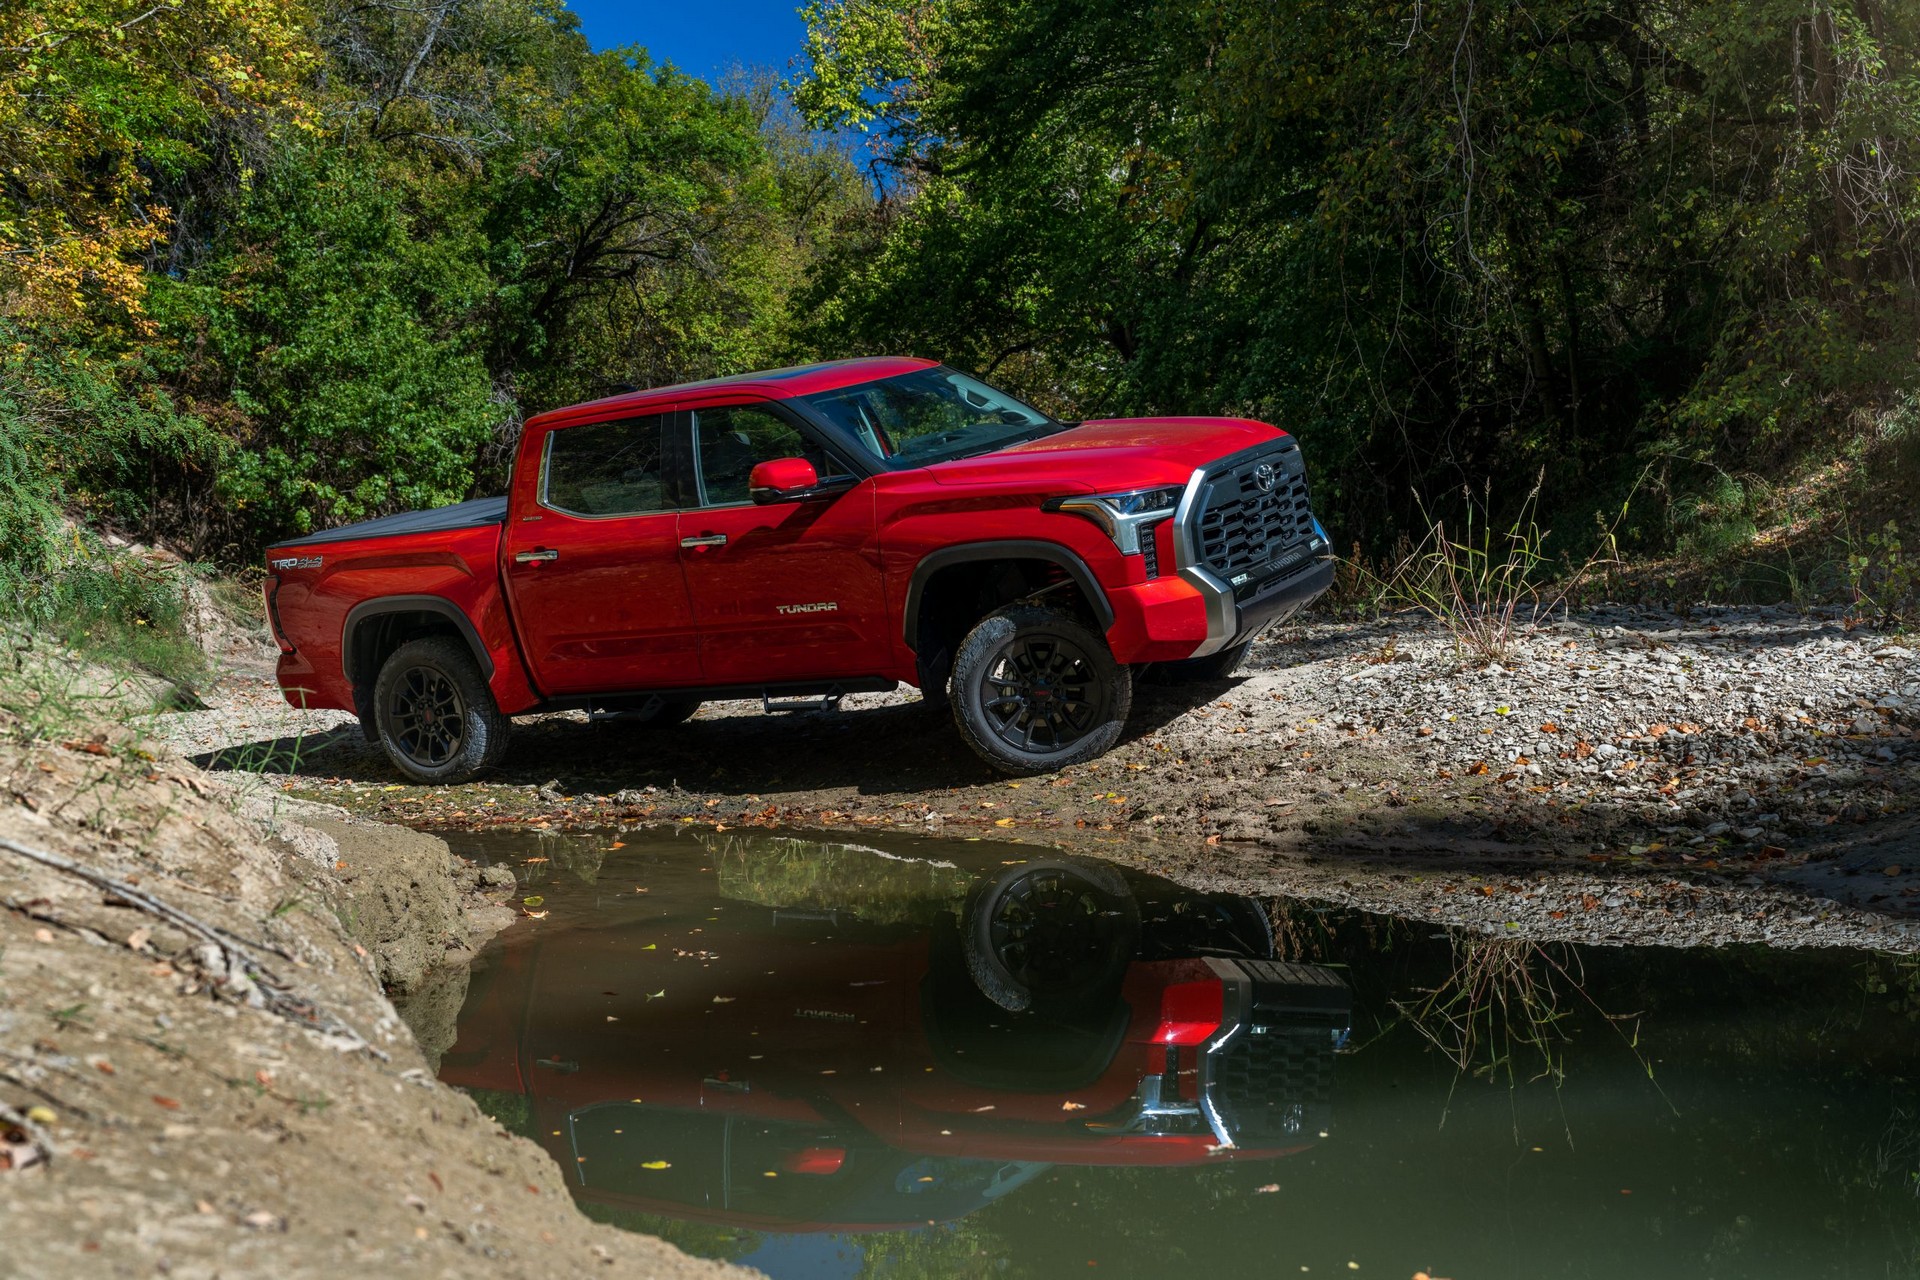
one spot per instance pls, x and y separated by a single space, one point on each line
930 415
734 438
607 468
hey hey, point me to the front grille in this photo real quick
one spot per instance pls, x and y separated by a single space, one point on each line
1240 528
1274 1084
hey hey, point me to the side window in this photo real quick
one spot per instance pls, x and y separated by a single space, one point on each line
732 439
607 468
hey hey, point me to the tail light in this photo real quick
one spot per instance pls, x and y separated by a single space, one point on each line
1189 1012
272 590
816 1160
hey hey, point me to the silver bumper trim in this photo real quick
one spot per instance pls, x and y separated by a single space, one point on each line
1222 617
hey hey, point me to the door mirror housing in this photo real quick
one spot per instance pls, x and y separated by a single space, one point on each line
783 480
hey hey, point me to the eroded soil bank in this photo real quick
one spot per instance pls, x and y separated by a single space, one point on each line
1624 775
196 1046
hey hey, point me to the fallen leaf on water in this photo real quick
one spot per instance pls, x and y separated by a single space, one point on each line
533 900
723 999
1267 1190
651 946
618 844
656 1164
1073 1106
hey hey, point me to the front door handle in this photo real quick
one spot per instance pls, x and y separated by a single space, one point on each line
705 540
535 557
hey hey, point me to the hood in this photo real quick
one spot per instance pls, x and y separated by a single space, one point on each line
1120 453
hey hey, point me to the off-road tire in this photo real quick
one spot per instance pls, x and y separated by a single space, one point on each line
988 671
1215 666
437 674
1049 933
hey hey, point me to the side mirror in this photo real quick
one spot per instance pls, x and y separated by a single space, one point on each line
782 480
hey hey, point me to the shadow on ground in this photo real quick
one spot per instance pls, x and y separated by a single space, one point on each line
883 752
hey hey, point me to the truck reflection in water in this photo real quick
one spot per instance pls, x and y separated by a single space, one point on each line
783 1062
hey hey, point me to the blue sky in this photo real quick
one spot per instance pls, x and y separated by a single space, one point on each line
701 37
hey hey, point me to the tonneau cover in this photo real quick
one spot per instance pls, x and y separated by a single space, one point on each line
461 515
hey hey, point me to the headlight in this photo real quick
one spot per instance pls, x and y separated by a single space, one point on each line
1122 515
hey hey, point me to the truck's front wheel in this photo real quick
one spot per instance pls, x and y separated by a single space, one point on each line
434 714
1036 689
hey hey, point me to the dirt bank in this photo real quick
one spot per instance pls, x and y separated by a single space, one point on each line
199 1062
1733 774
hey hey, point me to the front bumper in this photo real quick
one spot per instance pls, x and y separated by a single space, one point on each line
1237 616
1246 541
1266 1078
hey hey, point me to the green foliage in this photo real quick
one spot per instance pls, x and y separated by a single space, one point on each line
338 325
1447 243
266 267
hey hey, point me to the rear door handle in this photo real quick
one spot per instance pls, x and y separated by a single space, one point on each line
535 557
705 540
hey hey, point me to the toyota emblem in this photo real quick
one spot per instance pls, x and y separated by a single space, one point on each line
1263 476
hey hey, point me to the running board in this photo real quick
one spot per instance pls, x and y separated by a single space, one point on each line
776 706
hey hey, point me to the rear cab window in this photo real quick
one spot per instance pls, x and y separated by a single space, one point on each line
615 468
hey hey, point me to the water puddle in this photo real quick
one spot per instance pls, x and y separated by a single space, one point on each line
918 1058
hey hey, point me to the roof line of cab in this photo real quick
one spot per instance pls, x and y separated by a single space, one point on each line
777 384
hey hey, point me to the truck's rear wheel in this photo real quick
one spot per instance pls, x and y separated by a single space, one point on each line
1036 689
434 714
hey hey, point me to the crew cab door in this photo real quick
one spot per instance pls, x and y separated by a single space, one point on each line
592 560
784 592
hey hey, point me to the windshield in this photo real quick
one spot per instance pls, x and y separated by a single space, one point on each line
929 415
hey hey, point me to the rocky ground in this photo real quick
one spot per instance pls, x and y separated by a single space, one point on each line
1621 775
201 1073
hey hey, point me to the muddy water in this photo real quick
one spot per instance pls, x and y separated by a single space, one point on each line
924 1058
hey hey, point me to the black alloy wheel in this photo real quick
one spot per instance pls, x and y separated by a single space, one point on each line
1035 688
434 713
1048 932
428 716
1043 693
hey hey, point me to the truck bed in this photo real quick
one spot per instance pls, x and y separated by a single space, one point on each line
461 515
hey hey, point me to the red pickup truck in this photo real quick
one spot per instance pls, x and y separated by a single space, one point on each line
807 533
